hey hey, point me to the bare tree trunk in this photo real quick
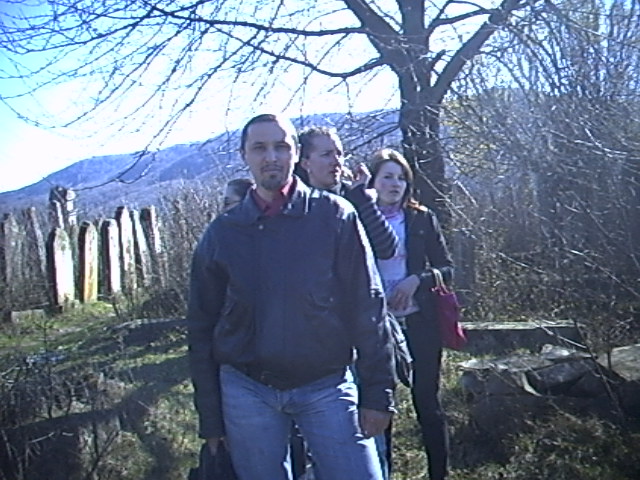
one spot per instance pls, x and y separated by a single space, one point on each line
419 121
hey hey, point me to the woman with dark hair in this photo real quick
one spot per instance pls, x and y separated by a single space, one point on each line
408 280
235 191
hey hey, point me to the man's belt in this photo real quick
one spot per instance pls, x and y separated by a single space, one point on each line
276 381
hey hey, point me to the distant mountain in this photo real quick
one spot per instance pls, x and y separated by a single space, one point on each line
109 177
139 179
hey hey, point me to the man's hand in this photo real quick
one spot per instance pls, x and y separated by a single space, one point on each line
346 175
213 444
361 175
373 422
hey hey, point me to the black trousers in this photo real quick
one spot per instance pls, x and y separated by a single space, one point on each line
423 337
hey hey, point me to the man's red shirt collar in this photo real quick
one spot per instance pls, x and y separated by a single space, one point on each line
269 209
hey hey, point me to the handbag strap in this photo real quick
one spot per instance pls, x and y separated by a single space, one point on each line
437 276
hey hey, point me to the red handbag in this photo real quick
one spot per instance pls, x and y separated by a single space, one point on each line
449 314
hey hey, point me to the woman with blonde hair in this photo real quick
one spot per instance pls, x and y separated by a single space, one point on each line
408 280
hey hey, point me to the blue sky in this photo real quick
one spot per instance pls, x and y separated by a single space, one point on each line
29 153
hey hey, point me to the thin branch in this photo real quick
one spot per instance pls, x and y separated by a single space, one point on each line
472 46
370 65
262 28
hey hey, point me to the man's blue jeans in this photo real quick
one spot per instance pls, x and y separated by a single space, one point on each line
258 422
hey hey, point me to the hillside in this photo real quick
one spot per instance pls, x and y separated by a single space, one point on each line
136 179
140 178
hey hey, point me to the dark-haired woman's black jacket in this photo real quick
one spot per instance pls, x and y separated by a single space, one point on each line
426 248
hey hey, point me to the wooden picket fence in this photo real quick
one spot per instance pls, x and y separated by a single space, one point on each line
77 262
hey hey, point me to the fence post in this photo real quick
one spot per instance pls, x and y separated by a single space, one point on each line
35 260
141 251
464 251
62 207
73 261
110 256
60 259
9 261
151 229
88 260
127 252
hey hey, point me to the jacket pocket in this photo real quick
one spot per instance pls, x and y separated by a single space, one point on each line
321 301
325 320
234 335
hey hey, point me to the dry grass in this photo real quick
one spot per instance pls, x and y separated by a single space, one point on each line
125 400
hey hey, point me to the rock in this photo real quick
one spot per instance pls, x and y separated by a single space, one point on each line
558 378
557 374
24 316
590 385
629 395
505 415
625 361
499 338
500 376
145 331
509 394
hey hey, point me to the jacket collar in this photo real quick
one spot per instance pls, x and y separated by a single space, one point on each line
409 217
247 212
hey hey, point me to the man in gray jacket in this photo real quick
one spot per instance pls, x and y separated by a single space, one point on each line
284 297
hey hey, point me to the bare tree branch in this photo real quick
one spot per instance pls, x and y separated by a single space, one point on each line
471 47
174 51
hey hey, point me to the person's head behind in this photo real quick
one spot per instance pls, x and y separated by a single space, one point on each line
321 157
235 191
392 178
269 147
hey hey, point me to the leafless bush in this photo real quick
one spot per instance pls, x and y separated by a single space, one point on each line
548 166
39 406
184 216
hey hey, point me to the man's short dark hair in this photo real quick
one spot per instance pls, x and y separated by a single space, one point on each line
262 118
240 186
306 136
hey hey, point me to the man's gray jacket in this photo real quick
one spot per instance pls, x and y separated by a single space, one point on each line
287 300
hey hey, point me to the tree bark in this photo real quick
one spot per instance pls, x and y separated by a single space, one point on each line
419 121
